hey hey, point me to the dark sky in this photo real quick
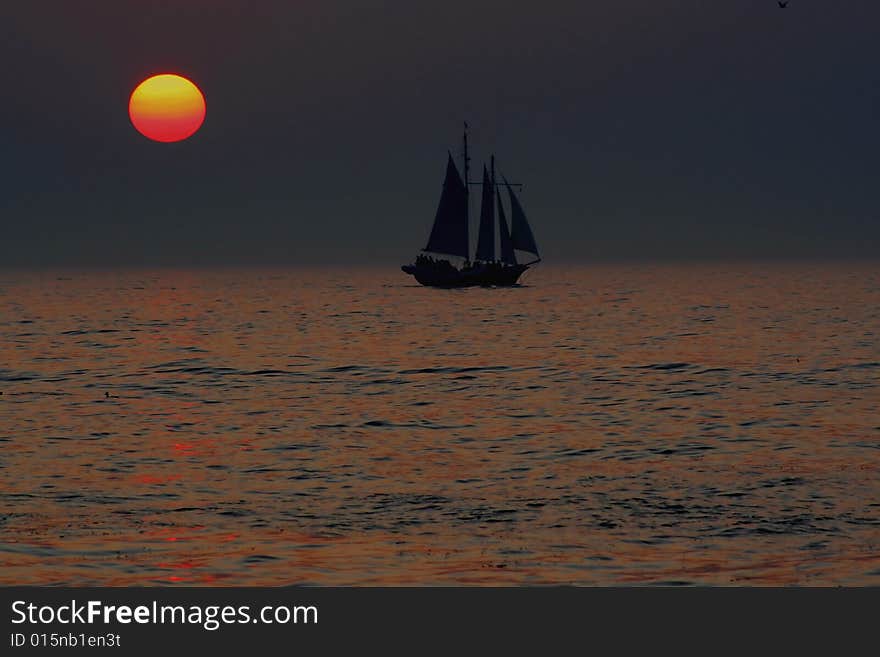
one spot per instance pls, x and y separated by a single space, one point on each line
643 129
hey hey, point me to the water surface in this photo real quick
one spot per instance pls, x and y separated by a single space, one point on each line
599 425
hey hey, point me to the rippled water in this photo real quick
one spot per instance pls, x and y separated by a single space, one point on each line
705 424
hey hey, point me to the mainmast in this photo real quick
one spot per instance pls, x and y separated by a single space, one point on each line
467 177
494 195
492 173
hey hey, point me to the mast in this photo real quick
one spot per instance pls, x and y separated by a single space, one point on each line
467 172
467 160
492 173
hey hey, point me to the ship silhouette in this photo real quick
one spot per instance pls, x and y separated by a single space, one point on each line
450 234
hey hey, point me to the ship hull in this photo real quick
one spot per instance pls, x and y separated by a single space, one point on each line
501 276
478 276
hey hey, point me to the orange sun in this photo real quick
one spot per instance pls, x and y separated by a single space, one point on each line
167 108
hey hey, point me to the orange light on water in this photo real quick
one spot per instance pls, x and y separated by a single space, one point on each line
167 108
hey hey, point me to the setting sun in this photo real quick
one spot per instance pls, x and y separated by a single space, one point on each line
167 108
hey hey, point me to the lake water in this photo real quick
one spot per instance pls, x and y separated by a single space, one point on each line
705 424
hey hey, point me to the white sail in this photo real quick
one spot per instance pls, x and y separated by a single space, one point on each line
508 257
520 231
486 235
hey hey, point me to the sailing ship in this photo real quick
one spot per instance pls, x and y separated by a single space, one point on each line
450 234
